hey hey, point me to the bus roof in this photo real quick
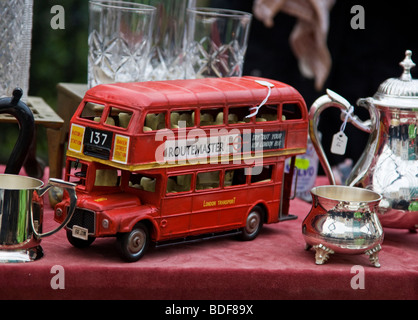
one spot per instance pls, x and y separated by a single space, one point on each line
189 92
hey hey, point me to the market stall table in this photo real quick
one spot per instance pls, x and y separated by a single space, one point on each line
274 266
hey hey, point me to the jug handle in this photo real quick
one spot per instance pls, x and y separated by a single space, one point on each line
24 116
70 188
332 99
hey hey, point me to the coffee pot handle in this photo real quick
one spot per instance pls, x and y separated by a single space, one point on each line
70 188
24 117
332 99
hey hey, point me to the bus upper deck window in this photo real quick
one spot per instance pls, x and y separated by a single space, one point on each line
267 113
211 117
154 121
92 111
182 119
291 111
119 118
237 115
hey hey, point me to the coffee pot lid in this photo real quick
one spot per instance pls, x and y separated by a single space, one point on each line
399 92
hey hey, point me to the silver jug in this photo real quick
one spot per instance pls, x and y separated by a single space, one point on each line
21 203
389 165
21 216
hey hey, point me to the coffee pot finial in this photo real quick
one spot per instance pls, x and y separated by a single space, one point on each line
407 65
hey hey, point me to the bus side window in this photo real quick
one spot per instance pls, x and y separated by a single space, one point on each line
92 111
291 111
119 118
237 115
261 174
182 118
77 173
267 113
208 180
142 182
154 121
180 183
107 178
235 177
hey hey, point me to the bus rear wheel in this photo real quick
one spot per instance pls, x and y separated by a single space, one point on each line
133 245
253 224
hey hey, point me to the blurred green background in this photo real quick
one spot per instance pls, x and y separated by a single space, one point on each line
57 56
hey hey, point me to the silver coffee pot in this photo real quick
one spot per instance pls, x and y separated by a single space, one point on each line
389 164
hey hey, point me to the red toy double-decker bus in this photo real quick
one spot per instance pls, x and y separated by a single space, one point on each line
169 161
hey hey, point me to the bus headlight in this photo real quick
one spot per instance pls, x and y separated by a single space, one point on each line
58 213
105 223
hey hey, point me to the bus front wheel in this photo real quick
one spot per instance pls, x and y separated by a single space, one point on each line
79 243
132 245
253 224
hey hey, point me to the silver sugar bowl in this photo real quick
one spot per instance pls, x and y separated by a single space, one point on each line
343 220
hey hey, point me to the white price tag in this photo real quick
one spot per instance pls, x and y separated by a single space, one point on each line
339 143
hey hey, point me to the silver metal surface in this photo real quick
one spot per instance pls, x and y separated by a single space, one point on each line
389 164
21 216
343 220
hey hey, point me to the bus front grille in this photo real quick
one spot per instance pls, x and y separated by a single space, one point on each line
83 218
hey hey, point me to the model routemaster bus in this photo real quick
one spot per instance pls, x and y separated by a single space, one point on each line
170 161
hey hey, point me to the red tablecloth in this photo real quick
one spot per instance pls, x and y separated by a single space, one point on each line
273 266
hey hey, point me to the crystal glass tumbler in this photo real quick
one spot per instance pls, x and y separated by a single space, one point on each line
216 42
15 45
120 37
168 47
